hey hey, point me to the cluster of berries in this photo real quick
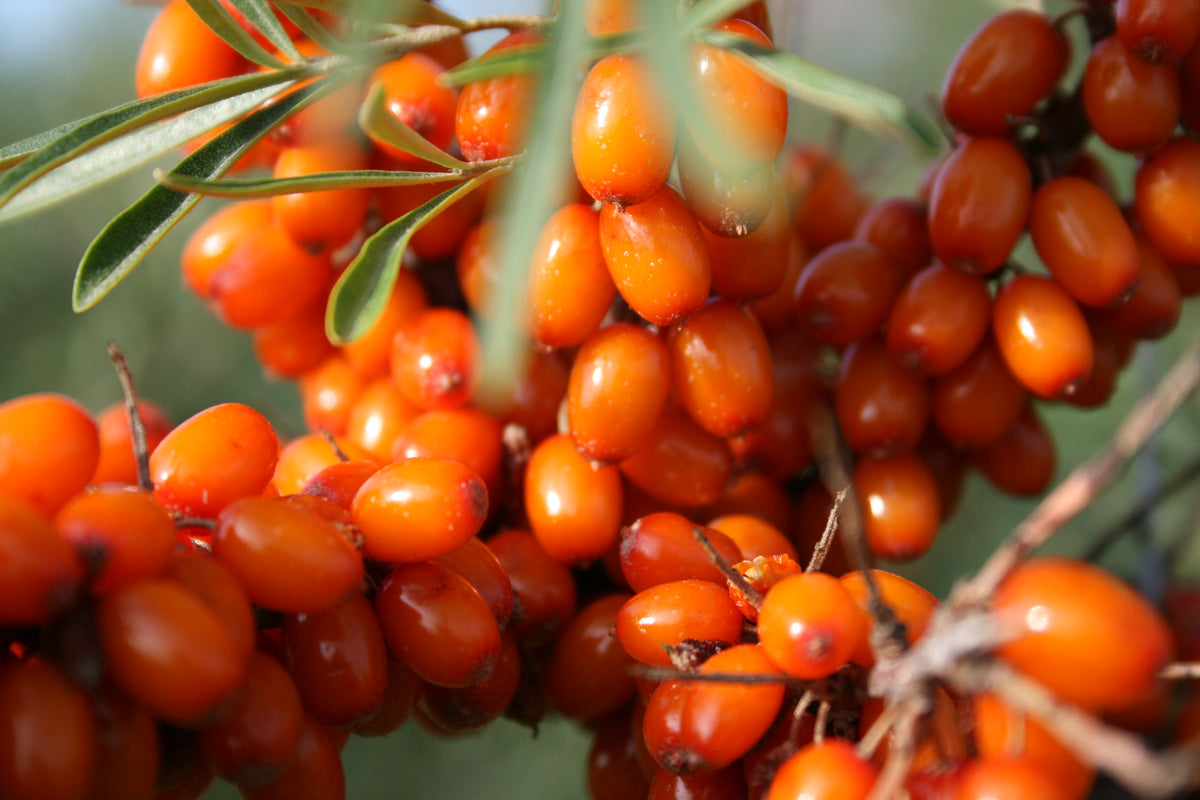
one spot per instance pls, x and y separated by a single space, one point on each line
620 539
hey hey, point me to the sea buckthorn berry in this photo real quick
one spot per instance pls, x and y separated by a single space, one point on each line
1042 335
938 319
267 277
831 770
328 393
618 386
338 483
727 204
622 131
1084 241
210 246
1083 633
994 729
723 784
845 293
1108 359
179 50
414 94
670 614
48 745
1167 200
881 406
680 463
900 503
490 119
543 588
398 701
721 368
896 226
338 659
809 625
774 311
656 255
127 759
824 196
588 673
1158 31
119 533
754 536
1003 71
438 624
435 359
49 449
980 204
1007 778
117 463
419 508
294 345
315 773
611 16
168 652
753 266
475 561
441 236
662 547
469 436
219 590
699 726
761 572
569 289
39 571
613 769
574 508
208 461
1152 310
534 396
746 113
1132 105
753 492
912 605
371 353
975 403
287 558
470 708
320 221
256 740
305 456
1023 460
378 417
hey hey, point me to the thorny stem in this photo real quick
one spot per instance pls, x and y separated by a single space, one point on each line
137 426
1087 481
821 552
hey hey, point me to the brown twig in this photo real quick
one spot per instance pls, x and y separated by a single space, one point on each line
137 427
1187 671
1145 507
821 551
753 596
901 751
1086 481
673 673
338 452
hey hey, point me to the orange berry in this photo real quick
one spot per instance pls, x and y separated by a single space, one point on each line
414 94
49 449
569 290
574 508
670 613
179 51
117 464
1042 335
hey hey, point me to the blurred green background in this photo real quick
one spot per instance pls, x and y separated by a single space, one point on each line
67 58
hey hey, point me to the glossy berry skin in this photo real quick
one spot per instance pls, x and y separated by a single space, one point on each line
287 558
767 247
491 115
1022 462
845 293
901 508
995 726
588 673
320 221
167 651
1007 66
881 406
475 561
128 750
473 707
896 227
680 463
979 205
543 589
669 613
117 464
1132 105
727 204
209 247
378 417
438 624
338 659
208 461
1158 31
663 547
1042 335
975 403
1167 200
1084 634
1152 310
622 132
468 435
825 198
179 50
435 359
39 570
912 605
414 95
290 347
574 509
569 289
938 319
827 771
48 746
49 448
1007 778
315 772
754 536
618 387
613 769
656 256
419 508
809 625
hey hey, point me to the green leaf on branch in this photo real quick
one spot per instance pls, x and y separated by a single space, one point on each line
380 123
127 239
259 14
17 152
311 27
710 12
362 291
873 109
75 160
402 12
512 61
247 188
217 18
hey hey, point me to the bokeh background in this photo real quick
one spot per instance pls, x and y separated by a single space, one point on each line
63 59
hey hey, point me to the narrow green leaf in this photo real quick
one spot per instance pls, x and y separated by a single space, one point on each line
710 12
17 152
127 239
313 29
506 62
528 201
360 294
216 17
245 188
259 14
406 12
377 121
216 103
873 109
